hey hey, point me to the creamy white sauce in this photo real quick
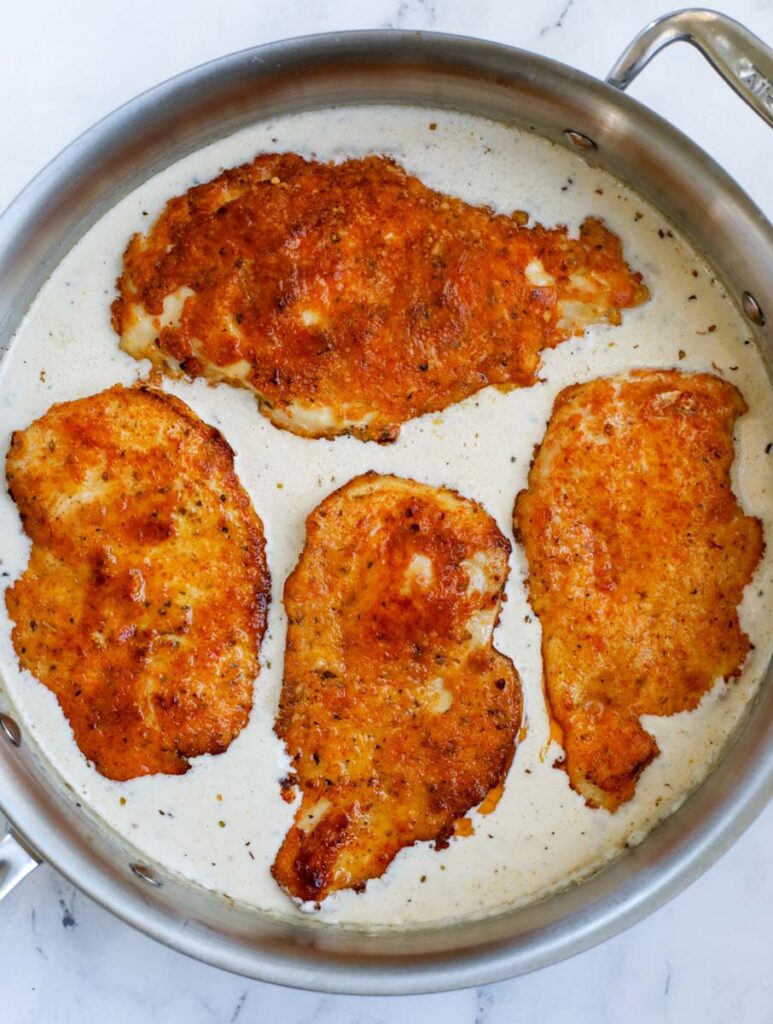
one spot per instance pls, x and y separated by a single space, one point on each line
221 824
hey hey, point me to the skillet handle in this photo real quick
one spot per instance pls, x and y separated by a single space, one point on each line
16 862
743 60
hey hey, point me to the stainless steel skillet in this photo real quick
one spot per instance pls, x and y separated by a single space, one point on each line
508 85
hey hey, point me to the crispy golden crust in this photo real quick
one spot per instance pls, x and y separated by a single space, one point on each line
143 605
638 557
397 712
350 298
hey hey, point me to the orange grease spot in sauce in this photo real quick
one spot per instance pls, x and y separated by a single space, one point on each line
492 798
556 734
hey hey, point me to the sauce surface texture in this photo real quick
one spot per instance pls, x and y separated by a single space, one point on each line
228 818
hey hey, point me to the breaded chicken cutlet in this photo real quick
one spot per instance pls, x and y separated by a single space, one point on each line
350 297
397 712
638 557
143 605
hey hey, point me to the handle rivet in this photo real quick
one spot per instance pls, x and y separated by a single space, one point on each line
146 874
753 309
10 730
579 140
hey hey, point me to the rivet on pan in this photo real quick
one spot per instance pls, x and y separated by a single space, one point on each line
146 874
753 309
579 140
10 730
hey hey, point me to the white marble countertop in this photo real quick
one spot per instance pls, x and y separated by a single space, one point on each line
706 955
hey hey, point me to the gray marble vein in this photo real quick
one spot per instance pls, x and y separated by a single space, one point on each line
559 21
414 14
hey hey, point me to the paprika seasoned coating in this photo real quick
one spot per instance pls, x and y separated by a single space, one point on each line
143 605
350 297
638 557
397 712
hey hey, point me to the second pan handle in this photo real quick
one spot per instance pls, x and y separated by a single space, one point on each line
743 60
16 862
